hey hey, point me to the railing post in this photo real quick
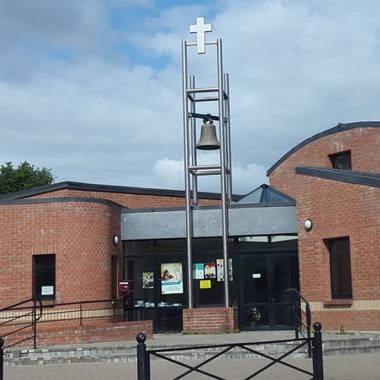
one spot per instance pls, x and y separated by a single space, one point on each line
143 360
317 352
308 329
1 359
34 322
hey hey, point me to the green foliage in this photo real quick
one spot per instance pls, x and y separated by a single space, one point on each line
24 177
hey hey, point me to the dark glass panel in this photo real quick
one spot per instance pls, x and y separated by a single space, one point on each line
44 276
340 268
341 160
255 279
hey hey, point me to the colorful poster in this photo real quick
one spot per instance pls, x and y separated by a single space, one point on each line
230 272
198 271
205 284
148 280
171 278
220 269
210 270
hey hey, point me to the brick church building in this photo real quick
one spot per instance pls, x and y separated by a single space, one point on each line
315 228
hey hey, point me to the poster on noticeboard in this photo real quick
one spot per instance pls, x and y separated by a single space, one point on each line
198 271
171 278
210 270
220 270
148 280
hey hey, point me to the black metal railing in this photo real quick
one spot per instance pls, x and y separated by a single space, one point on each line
22 320
18 322
301 317
1 359
144 355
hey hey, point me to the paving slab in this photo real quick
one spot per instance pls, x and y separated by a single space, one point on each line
205 339
350 367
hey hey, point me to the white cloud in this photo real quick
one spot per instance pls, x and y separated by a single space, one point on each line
170 173
72 102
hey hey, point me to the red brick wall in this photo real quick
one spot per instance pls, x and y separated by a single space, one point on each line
209 320
340 209
364 144
127 200
337 209
80 234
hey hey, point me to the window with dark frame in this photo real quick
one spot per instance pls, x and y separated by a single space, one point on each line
340 268
341 160
44 276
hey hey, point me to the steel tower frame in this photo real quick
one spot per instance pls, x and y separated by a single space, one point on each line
193 95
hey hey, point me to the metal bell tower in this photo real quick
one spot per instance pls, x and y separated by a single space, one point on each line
192 95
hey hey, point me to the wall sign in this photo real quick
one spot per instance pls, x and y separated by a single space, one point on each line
220 269
198 271
171 278
205 284
148 280
210 270
47 290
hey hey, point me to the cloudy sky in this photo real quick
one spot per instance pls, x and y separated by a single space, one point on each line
92 88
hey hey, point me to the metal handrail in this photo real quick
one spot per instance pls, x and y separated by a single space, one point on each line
36 311
306 312
33 324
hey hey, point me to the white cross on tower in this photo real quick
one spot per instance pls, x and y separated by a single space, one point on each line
200 28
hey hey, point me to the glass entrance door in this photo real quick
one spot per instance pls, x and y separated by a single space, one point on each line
263 279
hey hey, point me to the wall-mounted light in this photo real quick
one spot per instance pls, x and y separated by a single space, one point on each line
116 240
308 224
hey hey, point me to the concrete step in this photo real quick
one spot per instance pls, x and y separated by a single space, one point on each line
125 353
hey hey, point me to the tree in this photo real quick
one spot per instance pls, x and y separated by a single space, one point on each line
24 177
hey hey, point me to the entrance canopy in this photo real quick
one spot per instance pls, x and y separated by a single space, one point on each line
271 213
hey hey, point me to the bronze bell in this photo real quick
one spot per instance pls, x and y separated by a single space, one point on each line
208 139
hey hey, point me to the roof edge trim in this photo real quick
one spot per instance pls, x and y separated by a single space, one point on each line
347 176
105 188
11 202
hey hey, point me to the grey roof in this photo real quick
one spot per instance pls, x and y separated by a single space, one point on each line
348 176
338 128
265 194
106 188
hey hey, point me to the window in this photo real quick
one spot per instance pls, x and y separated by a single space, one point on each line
341 160
340 268
44 276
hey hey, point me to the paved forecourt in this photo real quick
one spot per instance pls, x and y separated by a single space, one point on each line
347 367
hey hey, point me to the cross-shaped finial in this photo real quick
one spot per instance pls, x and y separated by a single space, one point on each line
200 28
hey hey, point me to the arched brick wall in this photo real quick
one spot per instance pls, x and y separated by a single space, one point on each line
80 234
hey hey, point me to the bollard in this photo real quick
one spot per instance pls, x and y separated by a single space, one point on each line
1 359
143 360
308 332
317 352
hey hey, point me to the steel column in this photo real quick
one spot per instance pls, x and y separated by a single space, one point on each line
189 229
194 160
228 118
223 184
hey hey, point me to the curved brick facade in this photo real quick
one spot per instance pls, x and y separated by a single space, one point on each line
364 144
80 234
337 209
